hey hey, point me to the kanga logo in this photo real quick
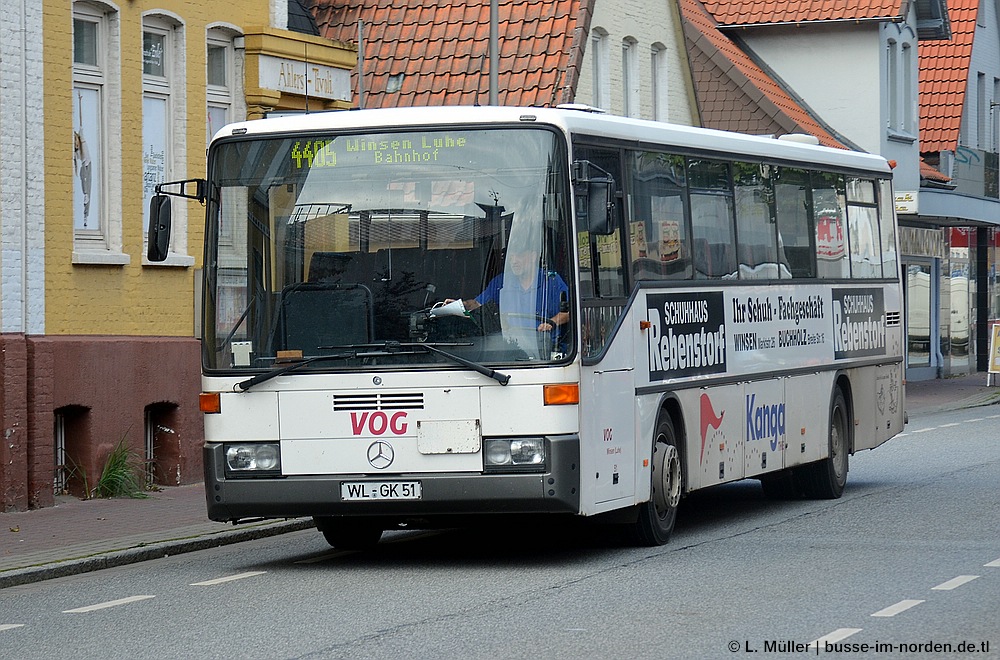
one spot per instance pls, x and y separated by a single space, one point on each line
709 420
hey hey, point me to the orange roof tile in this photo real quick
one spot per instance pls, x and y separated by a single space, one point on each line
771 12
944 79
733 92
928 171
441 47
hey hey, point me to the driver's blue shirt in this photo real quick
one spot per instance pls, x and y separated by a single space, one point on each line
541 300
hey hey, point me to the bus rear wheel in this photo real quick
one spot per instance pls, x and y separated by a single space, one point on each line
348 534
656 518
826 479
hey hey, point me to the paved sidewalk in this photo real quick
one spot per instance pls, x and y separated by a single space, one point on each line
77 536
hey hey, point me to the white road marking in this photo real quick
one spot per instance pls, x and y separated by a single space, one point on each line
901 606
110 603
835 636
933 428
239 576
977 419
993 564
948 426
954 583
10 626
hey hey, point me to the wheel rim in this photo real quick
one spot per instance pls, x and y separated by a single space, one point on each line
667 487
838 450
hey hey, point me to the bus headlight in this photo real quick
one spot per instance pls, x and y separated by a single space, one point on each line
249 459
514 454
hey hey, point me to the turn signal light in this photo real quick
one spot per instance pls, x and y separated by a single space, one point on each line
561 395
209 402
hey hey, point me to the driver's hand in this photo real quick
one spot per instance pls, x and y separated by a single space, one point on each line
544 327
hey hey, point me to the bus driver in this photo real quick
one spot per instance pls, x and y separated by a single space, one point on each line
536 295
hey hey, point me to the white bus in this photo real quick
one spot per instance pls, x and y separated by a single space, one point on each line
445 316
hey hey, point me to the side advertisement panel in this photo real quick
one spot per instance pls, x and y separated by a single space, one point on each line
755 331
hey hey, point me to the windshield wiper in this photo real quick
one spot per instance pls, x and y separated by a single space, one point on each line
260 378
385 348
393 347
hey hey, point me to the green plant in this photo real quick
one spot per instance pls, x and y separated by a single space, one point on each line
122 474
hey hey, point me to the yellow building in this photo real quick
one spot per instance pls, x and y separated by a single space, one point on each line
98 343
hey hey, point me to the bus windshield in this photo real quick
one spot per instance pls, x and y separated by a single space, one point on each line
358 246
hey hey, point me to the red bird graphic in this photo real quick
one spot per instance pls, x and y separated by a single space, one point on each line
708 419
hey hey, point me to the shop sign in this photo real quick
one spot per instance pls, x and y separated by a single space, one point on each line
906 202
304 78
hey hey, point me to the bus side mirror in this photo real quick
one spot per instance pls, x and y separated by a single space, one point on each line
601 206
158 240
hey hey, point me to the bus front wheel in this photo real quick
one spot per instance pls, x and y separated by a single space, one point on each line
348 534
656 517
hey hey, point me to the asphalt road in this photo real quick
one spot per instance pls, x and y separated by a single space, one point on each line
908 560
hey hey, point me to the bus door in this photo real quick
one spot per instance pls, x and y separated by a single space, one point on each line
607 388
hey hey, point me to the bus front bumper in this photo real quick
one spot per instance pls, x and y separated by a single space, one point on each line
443 495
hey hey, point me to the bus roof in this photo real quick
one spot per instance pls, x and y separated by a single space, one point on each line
572 120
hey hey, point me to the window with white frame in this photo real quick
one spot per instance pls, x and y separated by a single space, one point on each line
982 111
630 77
157 93
658 71
225 103
163 120
219 79
893 85
96 91
908 95
600 68
995 115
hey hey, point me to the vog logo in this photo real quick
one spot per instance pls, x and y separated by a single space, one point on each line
765 421
379 423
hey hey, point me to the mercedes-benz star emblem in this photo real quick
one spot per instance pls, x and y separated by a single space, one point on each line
380 455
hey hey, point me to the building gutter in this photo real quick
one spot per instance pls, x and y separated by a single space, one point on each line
722 27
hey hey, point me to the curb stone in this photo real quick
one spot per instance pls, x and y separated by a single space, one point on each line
147 551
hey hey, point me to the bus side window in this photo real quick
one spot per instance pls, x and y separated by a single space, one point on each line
795 222
890 265
712 220
602 272
863 235
830 216
658 236
603 254
756 234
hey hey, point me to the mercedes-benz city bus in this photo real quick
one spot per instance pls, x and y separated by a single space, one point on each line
443 316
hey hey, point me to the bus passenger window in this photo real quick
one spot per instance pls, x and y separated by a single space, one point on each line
829 214
602 273
795 221
757 248
890 260
863 238
714 240
658 236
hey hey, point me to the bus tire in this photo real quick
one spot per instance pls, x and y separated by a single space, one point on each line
657 517
781 485
348 534
825 480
